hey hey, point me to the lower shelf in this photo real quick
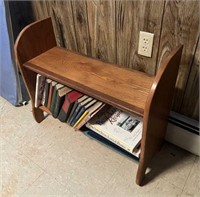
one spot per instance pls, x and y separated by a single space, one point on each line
109 144
99 137
43 108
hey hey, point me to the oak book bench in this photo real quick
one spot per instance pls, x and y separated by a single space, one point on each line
135 92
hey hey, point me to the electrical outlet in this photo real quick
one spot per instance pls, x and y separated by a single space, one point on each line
145 44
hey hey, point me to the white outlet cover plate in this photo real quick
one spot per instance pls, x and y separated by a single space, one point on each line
145 44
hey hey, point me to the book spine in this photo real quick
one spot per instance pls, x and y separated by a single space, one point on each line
64 111
46 95
69 110
73 107
58 104
74 114
81 111
53 100
80 119
62 116
51 89
82 122
88 117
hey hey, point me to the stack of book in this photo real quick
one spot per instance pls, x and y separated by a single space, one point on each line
64 103
77 109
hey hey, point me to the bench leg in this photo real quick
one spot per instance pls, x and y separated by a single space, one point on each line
141 172
38 114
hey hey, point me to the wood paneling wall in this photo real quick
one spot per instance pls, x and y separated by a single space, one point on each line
181 25
109 30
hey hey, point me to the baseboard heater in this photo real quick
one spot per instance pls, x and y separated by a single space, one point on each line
183 132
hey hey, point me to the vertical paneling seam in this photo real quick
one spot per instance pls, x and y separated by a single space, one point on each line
74 25
191 65
115 35
58 27
161 28
88 29
47 6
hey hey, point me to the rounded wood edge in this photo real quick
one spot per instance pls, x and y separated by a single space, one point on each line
26 28
158 76
144 157
140 172
37 113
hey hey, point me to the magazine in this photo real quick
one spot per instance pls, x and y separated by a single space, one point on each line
119 127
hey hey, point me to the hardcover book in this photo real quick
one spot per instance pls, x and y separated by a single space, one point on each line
84 97
54 95
60 97
85 102
40 83
82 109
118 127
88 114
70 98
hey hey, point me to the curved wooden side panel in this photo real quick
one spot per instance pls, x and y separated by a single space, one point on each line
33 40
157 109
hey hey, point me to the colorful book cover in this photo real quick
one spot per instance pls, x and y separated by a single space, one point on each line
70 98
71 116
78 108
60 99
91 112
81 119
82 109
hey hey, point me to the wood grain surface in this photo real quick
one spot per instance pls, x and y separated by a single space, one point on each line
63 22
190 105
40 9
180 25
28 45
125 32
95 78
105 32
131 18
157 110
92 14
81 27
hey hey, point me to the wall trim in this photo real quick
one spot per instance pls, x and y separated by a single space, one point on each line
183 132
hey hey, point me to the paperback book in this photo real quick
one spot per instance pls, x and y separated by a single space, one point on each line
118 127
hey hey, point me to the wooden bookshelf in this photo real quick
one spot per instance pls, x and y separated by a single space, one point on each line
129 90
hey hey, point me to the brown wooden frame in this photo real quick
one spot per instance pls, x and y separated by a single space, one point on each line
136 92
33 40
